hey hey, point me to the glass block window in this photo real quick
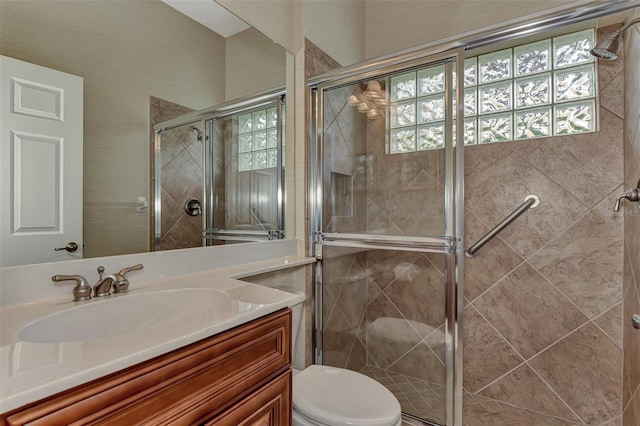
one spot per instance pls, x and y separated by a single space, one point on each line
541 89
257 139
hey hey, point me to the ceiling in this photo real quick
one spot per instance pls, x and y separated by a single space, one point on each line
210 14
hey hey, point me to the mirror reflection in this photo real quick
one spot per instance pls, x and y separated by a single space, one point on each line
133 57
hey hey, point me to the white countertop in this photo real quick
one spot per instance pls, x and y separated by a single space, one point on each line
32 371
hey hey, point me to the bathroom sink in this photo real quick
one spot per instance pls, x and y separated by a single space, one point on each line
127 313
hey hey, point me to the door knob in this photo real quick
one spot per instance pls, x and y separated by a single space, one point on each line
635 321
71 247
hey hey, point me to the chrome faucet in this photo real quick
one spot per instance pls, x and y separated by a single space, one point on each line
117 281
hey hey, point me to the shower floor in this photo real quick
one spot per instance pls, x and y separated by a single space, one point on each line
426 400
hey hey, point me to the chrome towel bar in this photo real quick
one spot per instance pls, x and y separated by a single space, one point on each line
530 202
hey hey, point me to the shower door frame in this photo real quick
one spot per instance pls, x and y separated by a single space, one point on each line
450 245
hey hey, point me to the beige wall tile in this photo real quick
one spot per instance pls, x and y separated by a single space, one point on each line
592 387
523 388
585 263
487 355
528 311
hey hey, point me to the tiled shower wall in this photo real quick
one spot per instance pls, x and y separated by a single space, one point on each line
543 322
543 317
631 376
181 177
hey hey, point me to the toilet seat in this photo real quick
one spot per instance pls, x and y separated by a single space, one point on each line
326 395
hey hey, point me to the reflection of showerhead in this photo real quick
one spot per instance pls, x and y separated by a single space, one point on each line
198 131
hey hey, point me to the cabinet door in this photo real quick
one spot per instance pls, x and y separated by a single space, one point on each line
268 406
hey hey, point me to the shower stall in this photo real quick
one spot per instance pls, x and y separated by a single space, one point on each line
230 187
417 157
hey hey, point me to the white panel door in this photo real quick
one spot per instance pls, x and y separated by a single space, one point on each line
41 115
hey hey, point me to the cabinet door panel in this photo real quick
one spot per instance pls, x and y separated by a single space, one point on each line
269 406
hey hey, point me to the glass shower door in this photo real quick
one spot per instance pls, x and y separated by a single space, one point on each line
244 184
385 233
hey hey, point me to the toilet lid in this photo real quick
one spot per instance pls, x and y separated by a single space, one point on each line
340 397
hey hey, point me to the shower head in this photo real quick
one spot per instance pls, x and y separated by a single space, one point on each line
198 132
608 49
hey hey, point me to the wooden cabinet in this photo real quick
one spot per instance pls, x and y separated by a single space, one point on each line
239 377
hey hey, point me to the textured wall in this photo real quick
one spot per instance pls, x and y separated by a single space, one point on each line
336 27
631 377
253 64
394 25
126 52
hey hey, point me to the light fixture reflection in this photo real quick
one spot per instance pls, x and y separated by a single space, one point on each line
372 101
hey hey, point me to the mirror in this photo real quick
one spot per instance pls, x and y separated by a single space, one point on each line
128 54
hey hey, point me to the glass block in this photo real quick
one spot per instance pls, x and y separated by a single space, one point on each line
575 117
533 123
272 158
532 58
244 123
574 83
245 161
431 80
495 97
431 136
470 131
533 91
495 128
259 140
431 109
403 86
403 140
259 160
470 102
572 49
272 138
272 117
259 119
470 72
244 142
495 66
403 114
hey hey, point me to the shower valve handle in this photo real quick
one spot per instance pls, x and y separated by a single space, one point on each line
632 195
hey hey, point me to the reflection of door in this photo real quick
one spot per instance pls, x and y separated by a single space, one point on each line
41 118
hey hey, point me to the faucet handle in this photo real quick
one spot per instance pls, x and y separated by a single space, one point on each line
631 195
135 267
82 290
121 283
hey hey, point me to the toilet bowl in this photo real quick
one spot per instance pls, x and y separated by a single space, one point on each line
330 396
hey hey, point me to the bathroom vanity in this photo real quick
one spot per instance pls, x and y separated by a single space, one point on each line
190 343
240 376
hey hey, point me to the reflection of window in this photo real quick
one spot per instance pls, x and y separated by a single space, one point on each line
258 139
541 89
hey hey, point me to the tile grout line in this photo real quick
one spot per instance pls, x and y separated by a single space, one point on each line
555 393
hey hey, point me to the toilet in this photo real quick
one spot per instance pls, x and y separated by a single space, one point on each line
330 396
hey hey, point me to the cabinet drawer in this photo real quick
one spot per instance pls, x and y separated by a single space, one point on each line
269 406
180 387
